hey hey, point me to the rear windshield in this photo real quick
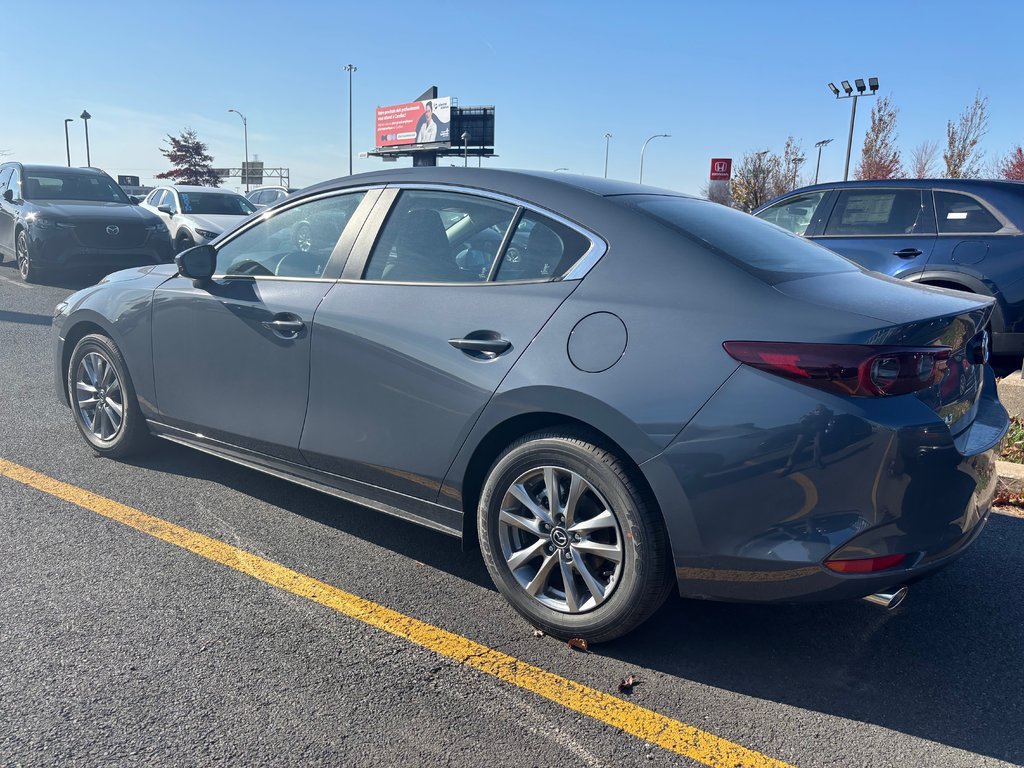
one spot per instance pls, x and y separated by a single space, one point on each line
767 251
55 185
214 203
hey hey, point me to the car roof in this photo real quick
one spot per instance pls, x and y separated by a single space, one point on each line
931 183
513 182
37 168
195 188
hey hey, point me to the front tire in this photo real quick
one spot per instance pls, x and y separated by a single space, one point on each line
183 242
30 272
103 399
594 564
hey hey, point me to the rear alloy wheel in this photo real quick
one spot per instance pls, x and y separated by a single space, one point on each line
103 399
30 273
569 539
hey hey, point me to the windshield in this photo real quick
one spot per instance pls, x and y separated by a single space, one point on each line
54 185
769 252
215 203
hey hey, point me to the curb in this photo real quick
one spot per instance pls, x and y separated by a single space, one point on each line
1011 478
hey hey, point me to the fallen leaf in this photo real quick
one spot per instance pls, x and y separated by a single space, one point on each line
626 684
538 633
579 644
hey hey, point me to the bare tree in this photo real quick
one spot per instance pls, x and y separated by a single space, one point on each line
717 192
922 161
752 181
962 156
788 172
1012 166
880 157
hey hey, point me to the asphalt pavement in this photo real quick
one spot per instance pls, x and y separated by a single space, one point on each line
117 648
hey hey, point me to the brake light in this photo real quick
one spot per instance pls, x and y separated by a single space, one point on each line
854 370
865 565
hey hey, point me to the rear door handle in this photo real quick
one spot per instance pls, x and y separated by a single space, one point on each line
907 253
486 348
284 325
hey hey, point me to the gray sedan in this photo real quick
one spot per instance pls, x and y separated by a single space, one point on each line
617 390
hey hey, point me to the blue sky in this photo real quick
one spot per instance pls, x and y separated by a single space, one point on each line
723 78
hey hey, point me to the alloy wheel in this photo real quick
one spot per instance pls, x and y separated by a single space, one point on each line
99 397
560 539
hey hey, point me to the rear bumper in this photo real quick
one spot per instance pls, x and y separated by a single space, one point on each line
763 487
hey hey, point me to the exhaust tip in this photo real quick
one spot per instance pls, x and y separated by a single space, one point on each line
888 600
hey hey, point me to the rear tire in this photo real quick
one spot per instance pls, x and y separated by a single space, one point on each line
604 537
103 399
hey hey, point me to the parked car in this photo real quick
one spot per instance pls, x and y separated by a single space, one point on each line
966 234
196 215
264 196
656 392
54 219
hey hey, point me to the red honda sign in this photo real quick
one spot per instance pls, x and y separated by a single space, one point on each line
721 168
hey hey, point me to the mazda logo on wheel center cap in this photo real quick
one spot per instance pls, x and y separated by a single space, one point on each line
113 229
559 538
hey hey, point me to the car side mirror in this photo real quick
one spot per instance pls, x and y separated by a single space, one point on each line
165 209
9 195
198 264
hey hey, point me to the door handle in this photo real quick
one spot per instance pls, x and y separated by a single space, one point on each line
285 326
907 253
482 348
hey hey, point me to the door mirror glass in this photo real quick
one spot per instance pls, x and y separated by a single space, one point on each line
197 263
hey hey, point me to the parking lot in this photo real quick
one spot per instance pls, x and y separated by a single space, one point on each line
181 610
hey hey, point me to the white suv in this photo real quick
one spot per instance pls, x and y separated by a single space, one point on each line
196 215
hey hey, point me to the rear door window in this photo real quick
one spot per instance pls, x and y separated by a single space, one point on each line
961 214
795 213
541 249
879 212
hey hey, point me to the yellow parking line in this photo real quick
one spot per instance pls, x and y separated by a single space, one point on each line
671 734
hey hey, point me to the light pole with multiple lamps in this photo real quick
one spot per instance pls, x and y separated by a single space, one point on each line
644 149
350 68
86 116
67 139
245 138
607 141
819 145
848 90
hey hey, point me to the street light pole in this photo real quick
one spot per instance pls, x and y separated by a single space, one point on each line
67 139
819 145
245 136
465 149
350 68
644 149
607 141
85 116
848 90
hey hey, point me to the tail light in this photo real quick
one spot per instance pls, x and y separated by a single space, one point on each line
853 370
866 564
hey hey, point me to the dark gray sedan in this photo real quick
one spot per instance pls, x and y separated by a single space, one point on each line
634 390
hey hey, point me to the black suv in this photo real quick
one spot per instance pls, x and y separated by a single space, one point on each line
52 217
966 234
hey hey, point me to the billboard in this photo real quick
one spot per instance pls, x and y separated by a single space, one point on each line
418 122
721 168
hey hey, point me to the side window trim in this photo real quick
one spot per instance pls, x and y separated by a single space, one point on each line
356 266
506 241
342 249
1007 228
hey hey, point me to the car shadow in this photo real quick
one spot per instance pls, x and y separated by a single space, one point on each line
408 539
945 666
